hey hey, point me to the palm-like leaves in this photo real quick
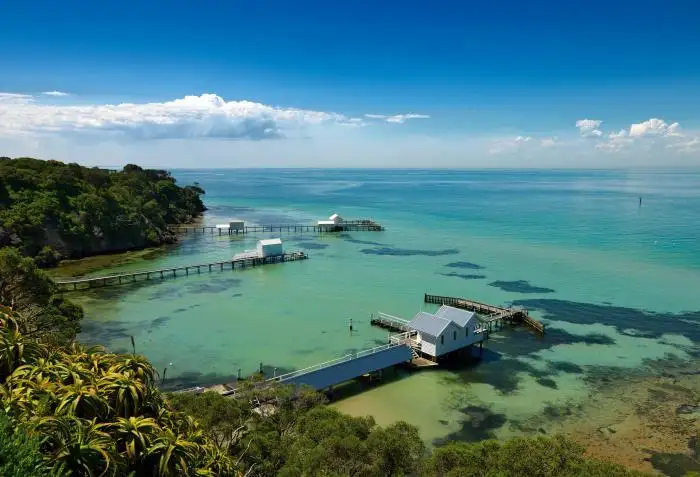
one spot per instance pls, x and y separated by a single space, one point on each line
136 365
125 393
82 400
99 413
15 350
83 447
172 453
134 436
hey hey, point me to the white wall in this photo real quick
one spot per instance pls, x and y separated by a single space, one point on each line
427 345
463 339
270 250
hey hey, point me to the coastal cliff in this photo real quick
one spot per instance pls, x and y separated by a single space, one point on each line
50 210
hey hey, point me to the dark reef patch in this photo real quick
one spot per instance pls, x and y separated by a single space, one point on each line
351 239
627 321
547 382
479 423
161 320
213 285
406 252
519 286
187 308
565 367
678 465
103 332
499 368
465 265
463 276
312 245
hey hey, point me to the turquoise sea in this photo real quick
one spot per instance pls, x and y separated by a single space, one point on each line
617 284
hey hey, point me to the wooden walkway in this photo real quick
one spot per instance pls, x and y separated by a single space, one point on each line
162 273
389 322
362 225
491 315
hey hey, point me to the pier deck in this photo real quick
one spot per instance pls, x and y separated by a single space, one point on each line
186 270
361 225
491 315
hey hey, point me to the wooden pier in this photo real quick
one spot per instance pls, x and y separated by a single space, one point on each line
389 322
491 316
162 273
361 225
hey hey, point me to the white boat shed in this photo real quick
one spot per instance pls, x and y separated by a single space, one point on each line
232 226
333 221
445 331
270 248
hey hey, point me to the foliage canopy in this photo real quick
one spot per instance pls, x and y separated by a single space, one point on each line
51 210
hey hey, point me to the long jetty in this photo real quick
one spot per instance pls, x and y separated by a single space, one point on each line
361 225
244 261
490 315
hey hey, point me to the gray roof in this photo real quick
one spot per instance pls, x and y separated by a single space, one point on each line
460 317
429 324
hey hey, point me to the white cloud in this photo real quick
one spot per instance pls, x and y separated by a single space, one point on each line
589 127
398 118
55 93
207 115
548 142
693 145
506 146
14 98
654 127
618 135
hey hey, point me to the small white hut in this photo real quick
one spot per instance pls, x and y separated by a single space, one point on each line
445 331
270 248
333 221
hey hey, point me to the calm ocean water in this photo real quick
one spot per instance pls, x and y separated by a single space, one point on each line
616 283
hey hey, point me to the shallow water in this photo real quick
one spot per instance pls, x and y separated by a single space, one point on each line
616 284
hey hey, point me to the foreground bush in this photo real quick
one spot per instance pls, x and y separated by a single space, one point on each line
97 413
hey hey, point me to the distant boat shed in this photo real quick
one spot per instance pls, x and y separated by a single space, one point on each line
270 248
234 226
333 221
446 330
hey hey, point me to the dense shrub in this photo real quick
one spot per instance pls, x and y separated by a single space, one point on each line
50 210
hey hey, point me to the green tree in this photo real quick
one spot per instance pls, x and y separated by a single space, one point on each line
50 210
41 312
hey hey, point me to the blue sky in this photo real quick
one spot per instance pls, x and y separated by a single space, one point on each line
490 83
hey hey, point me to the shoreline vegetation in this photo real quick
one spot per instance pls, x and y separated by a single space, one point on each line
72 410
52 211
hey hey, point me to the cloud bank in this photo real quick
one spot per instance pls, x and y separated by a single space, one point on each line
209 131
398 118
205 116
